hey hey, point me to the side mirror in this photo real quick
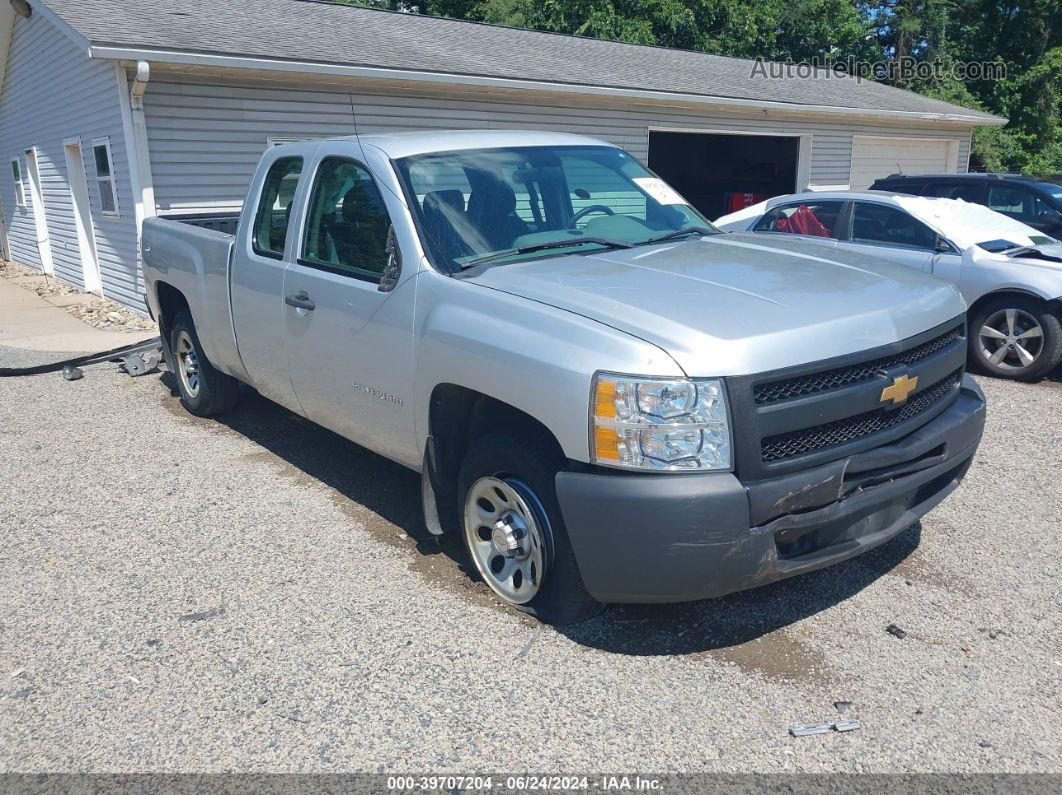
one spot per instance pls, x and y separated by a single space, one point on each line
943 246
393 268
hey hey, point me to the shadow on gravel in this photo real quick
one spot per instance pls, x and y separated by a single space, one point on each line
380 485
393 493
742 617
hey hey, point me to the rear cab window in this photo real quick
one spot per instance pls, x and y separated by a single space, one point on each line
812 218
273 215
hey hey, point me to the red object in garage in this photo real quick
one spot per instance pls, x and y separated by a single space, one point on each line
737 201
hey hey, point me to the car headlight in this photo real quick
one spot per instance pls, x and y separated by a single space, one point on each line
660 424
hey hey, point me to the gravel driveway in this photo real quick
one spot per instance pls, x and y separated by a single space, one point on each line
257 594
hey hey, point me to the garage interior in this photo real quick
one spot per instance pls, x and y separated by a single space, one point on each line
715 171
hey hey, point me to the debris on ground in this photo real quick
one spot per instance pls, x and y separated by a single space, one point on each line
840 725
895 631
842 706
71 373
203 616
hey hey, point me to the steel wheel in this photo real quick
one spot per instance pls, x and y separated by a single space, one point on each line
1011 339
187 364
506 532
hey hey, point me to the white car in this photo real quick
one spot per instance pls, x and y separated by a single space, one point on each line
1010 274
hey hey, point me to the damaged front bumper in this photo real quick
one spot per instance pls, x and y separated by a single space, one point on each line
675 538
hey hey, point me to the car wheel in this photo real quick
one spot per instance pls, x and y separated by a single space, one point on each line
514 532
1016 337
204 390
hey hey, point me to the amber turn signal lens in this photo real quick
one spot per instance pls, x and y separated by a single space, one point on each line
605 399
606 444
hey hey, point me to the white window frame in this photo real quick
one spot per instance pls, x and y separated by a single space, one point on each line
280 140
20 183
106 143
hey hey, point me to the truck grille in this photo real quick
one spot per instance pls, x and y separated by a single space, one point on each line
820 437
801 417
851 374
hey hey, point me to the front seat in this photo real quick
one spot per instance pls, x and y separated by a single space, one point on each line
444 211
360 236
492 211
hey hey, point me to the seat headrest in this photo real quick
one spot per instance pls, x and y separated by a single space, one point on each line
358 198
491 198
438 199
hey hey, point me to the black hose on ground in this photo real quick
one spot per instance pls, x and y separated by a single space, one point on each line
91 358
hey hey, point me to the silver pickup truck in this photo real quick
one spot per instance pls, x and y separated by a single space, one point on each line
608 399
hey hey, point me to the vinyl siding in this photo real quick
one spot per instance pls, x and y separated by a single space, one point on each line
53 92
206 133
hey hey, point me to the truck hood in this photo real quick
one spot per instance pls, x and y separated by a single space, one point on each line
737 304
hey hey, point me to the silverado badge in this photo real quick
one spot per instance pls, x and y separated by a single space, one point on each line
899 390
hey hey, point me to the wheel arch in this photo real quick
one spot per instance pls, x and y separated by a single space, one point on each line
1017 292
171 302
457 416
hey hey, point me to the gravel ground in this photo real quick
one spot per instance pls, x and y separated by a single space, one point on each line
257 594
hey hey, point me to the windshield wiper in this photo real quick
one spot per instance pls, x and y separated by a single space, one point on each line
601 241
686 230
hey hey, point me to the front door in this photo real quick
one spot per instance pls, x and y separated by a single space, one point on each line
40 220
887 232
79 198
349 344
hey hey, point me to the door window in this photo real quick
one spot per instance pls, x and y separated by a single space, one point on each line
1018 203
888 226
347 224
967 191
274 207
815 218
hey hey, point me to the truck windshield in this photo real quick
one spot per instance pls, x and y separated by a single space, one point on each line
544 201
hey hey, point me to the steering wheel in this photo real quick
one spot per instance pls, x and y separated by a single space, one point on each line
593 208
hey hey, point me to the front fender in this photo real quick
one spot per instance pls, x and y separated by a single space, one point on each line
534 357
984 273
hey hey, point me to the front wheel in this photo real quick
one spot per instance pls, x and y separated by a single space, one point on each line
1015 337
514 532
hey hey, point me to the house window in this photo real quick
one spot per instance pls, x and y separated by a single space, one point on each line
20 188
101 151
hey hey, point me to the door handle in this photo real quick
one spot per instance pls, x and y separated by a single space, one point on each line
300 301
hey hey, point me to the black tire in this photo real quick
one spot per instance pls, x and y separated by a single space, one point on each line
216 392
523 458
1048 353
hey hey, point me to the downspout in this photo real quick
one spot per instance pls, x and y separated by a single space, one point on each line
134 126
140 139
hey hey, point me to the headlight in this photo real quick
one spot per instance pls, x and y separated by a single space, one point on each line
659 424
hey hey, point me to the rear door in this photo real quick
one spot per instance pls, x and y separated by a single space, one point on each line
349 342
257 281
890 233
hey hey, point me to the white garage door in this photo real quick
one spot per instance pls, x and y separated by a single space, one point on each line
874 158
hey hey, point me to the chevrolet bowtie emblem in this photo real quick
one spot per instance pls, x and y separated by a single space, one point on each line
899 390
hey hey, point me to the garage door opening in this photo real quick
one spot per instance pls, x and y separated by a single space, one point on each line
719 173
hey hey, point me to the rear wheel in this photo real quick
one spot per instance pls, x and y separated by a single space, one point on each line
204 390
1016 337
514 532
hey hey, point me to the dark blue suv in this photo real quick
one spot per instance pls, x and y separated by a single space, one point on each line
1032 201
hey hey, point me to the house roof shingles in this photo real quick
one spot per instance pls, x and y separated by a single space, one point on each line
298 30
